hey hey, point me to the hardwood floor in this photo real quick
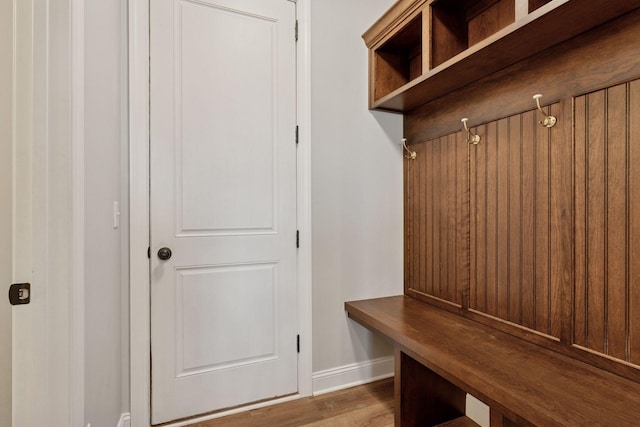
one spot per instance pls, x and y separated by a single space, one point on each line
369 405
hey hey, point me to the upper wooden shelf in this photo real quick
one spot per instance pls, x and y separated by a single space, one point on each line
423 49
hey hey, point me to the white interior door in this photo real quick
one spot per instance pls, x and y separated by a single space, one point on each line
223 199
6 204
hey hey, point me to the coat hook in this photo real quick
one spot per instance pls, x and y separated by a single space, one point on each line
471 138
549 121
410 154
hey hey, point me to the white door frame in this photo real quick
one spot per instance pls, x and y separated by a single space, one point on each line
139 278
7 52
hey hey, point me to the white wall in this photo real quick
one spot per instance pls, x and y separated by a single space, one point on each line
356 186
357 196
105 125
6 204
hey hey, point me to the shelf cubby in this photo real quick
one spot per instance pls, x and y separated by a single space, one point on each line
423 49
457 25
399 60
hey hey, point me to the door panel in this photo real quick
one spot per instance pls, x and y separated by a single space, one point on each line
223 198
249 286
237 161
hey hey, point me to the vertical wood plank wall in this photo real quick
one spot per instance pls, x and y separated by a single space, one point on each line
538 232
607 221
487 223
506 228
438 219
516 174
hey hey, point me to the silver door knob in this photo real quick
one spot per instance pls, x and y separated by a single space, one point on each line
164 253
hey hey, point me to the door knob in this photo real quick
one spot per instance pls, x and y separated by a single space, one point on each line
164 253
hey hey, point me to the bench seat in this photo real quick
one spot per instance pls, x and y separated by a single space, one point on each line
522 383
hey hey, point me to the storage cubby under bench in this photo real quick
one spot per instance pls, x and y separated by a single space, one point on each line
439 357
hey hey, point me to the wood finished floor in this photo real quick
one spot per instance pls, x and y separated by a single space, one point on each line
369 405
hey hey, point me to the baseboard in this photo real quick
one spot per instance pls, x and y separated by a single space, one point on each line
352 375
125 420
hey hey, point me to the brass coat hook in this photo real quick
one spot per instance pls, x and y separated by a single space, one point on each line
471 138
410 154
549 121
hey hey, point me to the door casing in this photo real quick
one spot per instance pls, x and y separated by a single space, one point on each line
6 203
48 212
139 278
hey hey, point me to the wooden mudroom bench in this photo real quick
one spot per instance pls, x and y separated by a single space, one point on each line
521 232
440 356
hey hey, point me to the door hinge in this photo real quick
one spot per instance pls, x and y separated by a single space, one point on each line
298 343
297 239
296 30
149 252
297 134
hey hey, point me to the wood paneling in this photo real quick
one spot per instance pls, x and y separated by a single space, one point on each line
607 221
437 219
552 217
513 231
518 185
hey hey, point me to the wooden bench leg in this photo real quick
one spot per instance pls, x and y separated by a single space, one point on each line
422 397
397 388
495 418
